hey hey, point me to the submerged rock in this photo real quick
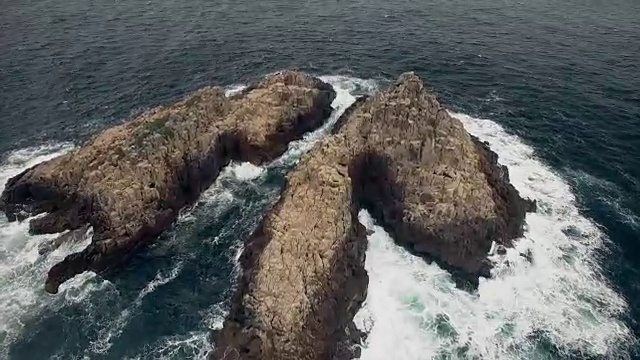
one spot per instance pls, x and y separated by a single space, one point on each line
399 154
130 181
528 255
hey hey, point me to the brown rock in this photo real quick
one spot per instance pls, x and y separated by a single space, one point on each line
130 181
304 277
399 154
72 236
435 188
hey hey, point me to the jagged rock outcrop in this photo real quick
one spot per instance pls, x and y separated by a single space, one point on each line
303 275
72 236
436 189
130 181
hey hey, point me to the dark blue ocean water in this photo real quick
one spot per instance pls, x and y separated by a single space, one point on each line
564 76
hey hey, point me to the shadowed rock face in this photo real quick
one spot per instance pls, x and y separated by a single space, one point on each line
130 181
399 154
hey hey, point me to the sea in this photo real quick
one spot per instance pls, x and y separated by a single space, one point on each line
552 85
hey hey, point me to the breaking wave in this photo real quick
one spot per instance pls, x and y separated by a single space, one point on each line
556 306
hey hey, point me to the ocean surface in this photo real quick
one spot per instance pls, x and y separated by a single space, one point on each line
553 86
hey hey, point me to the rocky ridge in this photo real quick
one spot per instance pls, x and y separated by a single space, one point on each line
130 181
437 190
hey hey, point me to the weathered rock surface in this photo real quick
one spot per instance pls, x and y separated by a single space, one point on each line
435 188
130 181
399 154
303 275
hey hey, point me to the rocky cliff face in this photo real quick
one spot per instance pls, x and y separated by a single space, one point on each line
303 275
435 188
399 154
130 181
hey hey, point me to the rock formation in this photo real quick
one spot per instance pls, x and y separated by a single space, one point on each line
303 275
435 188
130 181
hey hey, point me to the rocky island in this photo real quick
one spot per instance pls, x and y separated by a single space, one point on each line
130 181
436 189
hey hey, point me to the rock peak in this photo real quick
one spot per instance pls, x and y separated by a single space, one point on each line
411 83
293 78
409 77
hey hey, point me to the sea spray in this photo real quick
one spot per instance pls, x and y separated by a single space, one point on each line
105 337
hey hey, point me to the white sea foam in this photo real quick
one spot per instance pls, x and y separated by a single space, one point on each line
219 194
23 159
246 171
347 88
193 345
414 311
234 89
22 268
114 328
608 193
